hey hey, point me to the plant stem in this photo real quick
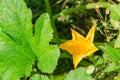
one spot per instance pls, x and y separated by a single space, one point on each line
48 9
82 7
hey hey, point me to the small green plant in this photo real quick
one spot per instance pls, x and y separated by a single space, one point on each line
29 45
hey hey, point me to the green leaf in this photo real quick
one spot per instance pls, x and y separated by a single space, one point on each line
15 20
117 42
115 16
118 0
114 54
115 21
78 74
117 77
19 47
58 76
39 77
16 56
47 54
115 12
112 67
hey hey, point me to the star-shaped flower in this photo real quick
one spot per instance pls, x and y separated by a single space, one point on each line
80 46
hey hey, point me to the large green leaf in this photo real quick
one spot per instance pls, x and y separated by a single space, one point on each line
16 56
112 67
114 54
15 20
47 54
115 11
78 74
19 47
39 77
115 21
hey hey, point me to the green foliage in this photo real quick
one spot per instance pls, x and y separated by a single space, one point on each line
19 47
114 56
115 12
115 21
78 74
113 53
117 42
28 43
39 77
16 55
47 54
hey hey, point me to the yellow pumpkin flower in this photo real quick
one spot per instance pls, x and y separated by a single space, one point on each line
80 46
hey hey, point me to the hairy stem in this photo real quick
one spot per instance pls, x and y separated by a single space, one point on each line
48 9
82 7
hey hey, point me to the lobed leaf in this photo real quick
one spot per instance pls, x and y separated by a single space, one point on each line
115 12
78 74
114 19
47 54
39 77
19 47
114 54
16 56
